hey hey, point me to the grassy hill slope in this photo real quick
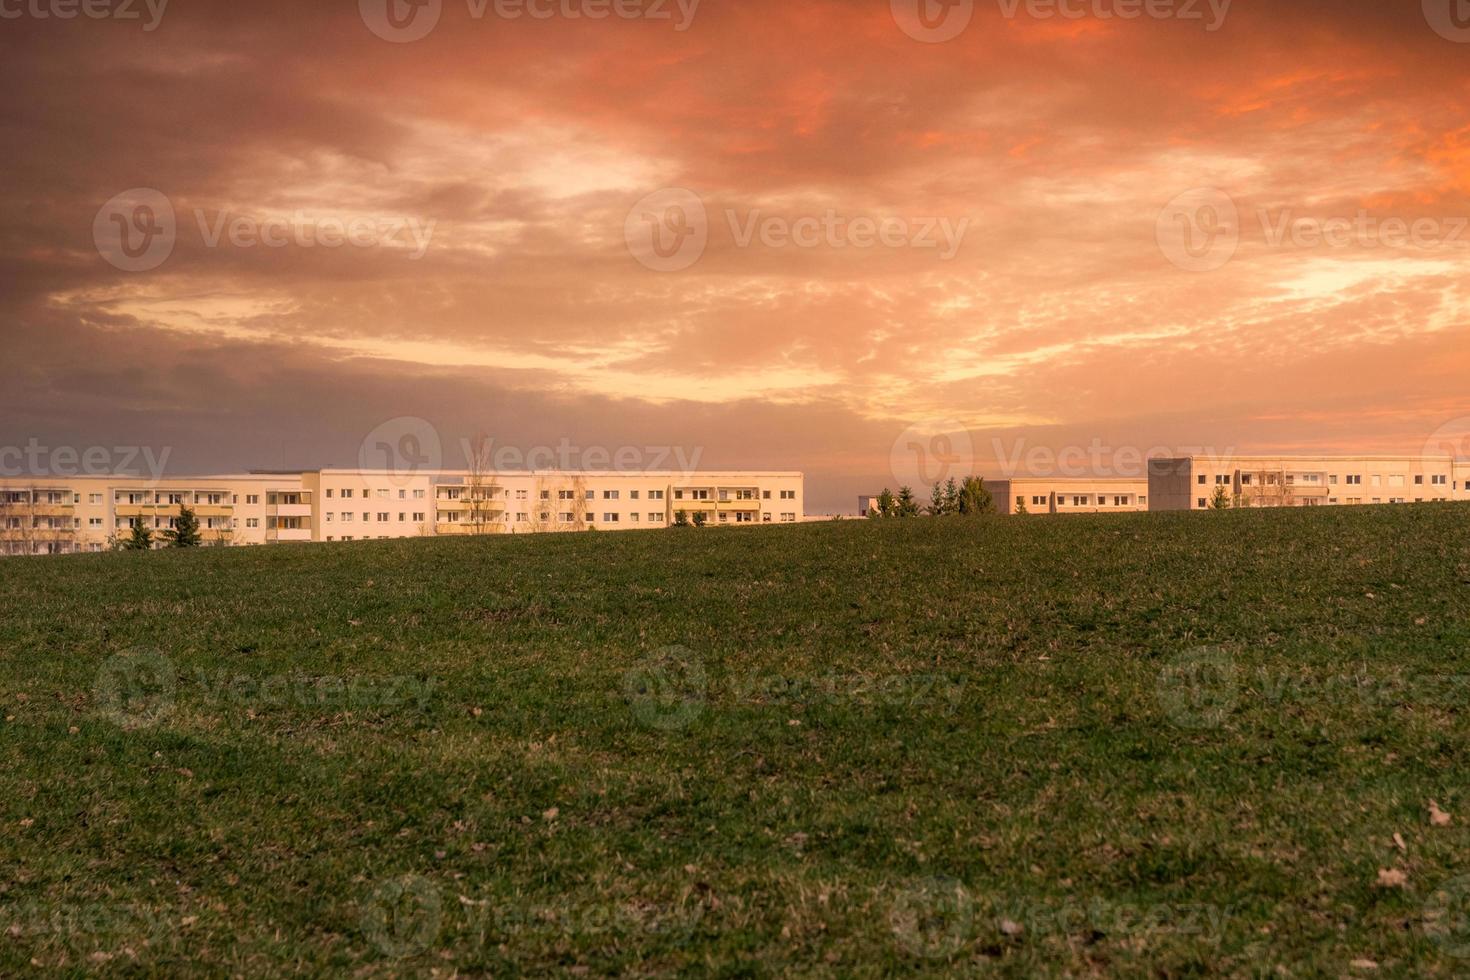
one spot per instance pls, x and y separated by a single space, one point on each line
1161 744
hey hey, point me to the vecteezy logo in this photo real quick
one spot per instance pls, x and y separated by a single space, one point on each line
402 916
1449 18
136 689
667 231
933 21
403 447
669 690
136 230
1199 231
1451 439
934 918
928 453
401 21
1198 688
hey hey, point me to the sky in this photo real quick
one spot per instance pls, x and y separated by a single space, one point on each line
848 238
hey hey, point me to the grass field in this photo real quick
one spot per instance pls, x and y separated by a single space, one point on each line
1161 745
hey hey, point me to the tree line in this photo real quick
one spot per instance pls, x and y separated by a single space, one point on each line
953 498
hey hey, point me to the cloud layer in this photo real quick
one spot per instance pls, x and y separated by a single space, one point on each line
1311 293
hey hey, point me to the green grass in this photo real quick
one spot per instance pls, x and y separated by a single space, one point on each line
1162 745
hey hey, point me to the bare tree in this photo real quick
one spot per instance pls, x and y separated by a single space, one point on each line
483 489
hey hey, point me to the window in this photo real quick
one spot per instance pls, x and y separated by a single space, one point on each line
402 494
1245 479
610 495
1038 501
633 517
252 522
1079 501
1121 501
1202 479
418 517
545 494
346 494
1222 481
1419 479
788 494
632 494
418 495
94 498
329 517
655 495
329 494
788 518
1439 481
401 516
658 518
367 517
1202 502
591 494
1355 480
522 494
610 518
766 518
254 498
382 518
765 495
566 517
94 522
523 518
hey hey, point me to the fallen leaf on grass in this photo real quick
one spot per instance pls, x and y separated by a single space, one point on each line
1391 878
1437 817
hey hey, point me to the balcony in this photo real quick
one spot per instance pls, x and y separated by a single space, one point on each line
289 510
467 506
288 534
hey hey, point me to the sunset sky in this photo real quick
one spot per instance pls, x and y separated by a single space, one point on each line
1067 154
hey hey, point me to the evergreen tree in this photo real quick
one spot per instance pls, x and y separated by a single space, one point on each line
974 498
907 506
1021 510
936 501
700 520
681 519
951 497
141 539
887 505
185 532
1221 500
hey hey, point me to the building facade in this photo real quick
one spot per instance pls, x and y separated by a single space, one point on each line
1189 483
60 515
1042 495
1055 495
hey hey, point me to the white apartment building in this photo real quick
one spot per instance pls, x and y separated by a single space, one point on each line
1045 495
1189 483
60 515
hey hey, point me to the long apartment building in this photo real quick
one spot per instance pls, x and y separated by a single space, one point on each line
1190 482
61 515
